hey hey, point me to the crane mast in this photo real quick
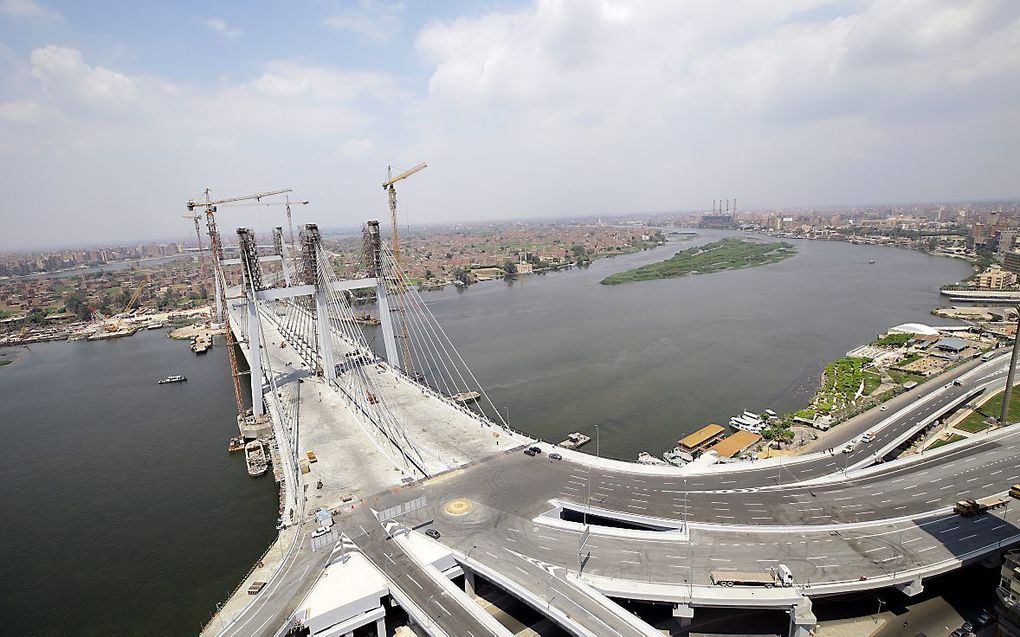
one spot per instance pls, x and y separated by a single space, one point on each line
398 285
220 282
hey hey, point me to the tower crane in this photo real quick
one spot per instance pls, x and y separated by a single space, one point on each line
397 284
198 236
290 222
392 192
209 207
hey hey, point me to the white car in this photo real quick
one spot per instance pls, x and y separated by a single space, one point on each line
319 532
884 408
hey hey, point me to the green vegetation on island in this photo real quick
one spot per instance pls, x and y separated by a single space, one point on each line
731 253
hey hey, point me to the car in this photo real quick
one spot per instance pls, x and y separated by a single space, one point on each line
884 408
959 632
967 626
319 532
555 456
434 534
536 450
868 436
983 619
529 452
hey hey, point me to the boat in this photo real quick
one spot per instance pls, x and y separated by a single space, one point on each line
750 415
677 458
575 440
771 414
466 397
154 326
236 444
746 424
646 458
176 378
201 344
367 319
872 262
255 457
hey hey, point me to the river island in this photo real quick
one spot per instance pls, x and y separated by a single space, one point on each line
731 253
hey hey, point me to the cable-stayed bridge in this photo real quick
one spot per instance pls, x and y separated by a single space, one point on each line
409 442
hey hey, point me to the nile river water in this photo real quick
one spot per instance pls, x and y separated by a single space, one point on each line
124 514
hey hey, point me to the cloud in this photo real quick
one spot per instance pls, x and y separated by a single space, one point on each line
65 72
356 148
373 20
20 112
28 9
221 28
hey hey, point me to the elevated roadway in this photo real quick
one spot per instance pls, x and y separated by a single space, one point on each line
838 521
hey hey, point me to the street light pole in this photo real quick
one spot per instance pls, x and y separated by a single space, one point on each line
596 440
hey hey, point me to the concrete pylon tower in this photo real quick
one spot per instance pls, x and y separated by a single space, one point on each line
252 283
278 245
373 246
310 242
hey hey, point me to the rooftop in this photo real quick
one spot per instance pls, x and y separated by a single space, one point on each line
701 436
731 446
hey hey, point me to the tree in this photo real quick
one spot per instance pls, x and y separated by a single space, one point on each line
509 267
462 275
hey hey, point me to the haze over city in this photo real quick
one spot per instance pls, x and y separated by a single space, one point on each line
112 116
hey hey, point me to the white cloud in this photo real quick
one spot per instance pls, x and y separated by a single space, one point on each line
28 9
221 28
20 112
374 20
356 148
64 71
559 107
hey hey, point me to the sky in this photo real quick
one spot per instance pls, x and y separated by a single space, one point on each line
114 114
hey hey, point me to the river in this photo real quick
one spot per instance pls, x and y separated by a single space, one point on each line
124 514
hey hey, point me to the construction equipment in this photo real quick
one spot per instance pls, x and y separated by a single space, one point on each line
392 192
970 507
397 286
134 297
220 283
290 222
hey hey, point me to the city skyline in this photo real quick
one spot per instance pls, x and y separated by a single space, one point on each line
521 109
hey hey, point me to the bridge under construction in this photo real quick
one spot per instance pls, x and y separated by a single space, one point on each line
402 487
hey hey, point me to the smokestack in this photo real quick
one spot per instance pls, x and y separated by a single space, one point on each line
713 206
727 205
734 205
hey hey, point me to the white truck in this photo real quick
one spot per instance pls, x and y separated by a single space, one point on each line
778 576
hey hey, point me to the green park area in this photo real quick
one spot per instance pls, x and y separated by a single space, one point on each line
977 422
731 253
947 441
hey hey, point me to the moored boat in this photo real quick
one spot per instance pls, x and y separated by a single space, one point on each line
176 378
255 457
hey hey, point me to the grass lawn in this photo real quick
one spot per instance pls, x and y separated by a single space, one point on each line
974 422
949 441
902 377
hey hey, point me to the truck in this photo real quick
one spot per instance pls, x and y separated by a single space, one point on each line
971 507
779 576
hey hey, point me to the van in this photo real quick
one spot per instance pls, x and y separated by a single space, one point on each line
868 436
987 356
784 575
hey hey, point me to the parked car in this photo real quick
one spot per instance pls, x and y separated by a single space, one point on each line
555 456
529 452
319 532
432 533
536 450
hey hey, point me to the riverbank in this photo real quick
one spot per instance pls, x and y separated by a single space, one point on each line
731 253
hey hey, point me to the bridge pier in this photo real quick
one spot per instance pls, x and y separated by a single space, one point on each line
802 619
469 583
912 588
258 406
683 614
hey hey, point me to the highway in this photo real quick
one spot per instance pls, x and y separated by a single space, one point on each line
839 521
